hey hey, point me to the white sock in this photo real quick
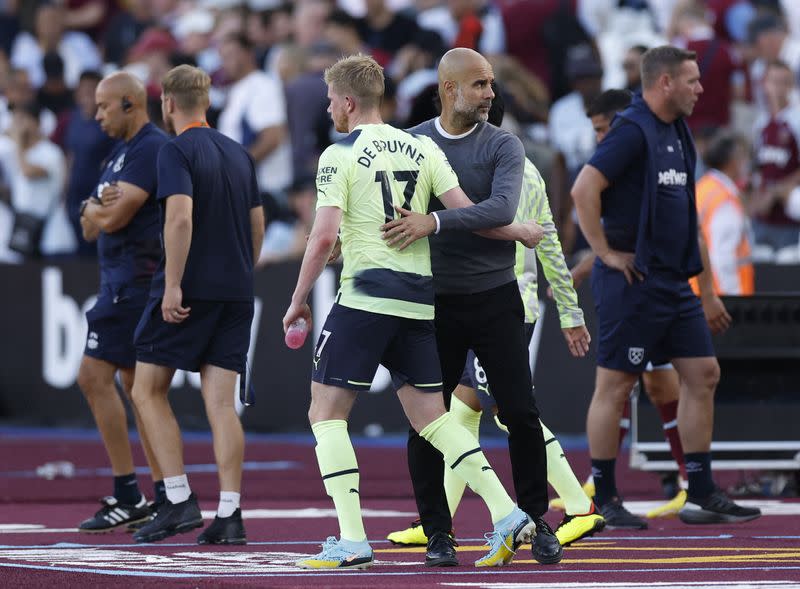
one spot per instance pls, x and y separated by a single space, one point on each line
177 488
228 503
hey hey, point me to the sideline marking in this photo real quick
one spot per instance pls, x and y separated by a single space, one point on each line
105 471
737 585
368 573
305 513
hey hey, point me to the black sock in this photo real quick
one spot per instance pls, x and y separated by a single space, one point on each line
159 491
605 482
698 470
126 489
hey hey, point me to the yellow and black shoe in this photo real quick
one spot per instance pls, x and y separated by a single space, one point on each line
411 536
576 527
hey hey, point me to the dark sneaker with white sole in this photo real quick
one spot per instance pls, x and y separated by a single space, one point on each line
171 519
115 515
153 506
717 508
225 530
619 518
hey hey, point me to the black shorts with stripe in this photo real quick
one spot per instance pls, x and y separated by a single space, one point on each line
354 342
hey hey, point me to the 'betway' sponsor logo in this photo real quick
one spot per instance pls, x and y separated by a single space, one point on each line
672 177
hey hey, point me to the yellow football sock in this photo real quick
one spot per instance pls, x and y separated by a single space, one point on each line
454 485
339 469
561 477
463 454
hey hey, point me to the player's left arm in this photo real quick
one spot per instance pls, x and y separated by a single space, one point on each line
257 215
120 202
714 309
177 241
175 190
257 230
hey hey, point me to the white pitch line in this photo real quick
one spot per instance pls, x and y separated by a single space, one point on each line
308 513
677 584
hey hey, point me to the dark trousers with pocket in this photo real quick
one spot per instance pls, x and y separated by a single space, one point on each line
492 323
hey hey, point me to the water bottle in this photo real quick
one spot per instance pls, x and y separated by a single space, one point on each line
296 334
53 470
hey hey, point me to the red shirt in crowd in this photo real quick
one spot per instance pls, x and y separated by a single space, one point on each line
718 64
778 155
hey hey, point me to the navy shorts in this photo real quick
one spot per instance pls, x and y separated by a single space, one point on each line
354 342
657 319
112 323
474 376
216 333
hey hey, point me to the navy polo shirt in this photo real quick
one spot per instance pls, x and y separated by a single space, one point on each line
622 158
130 255
219 176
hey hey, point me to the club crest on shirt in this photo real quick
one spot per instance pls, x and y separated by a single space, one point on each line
635 355
119 163
93 341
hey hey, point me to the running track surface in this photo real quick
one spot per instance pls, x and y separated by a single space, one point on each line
288 515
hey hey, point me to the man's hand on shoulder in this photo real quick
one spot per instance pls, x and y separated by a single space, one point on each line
408 228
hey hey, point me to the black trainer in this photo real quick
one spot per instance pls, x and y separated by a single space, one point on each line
716 509
441 551
171 519
545 546
114 515
617 517
225 530
670 484
153 506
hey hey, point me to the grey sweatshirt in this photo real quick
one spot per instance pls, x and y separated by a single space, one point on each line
489 164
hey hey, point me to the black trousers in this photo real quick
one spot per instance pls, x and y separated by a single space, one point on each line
491 323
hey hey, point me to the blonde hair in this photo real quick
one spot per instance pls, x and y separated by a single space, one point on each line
188 86
358 76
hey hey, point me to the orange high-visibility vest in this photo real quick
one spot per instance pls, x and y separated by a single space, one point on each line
711 193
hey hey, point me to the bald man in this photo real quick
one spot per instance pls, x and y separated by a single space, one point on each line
478 303
122 216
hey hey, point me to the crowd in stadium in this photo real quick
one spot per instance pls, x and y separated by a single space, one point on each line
551 59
